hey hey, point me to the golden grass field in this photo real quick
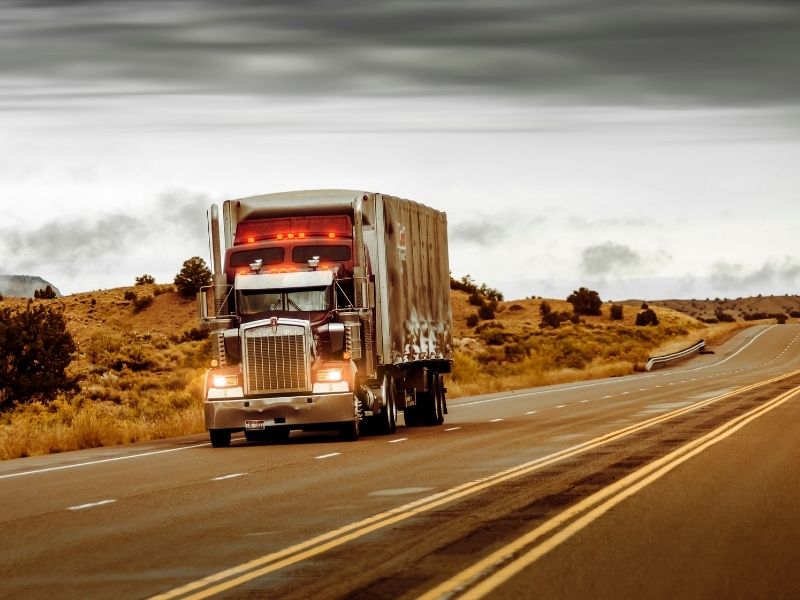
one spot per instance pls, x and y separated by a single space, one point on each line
140 372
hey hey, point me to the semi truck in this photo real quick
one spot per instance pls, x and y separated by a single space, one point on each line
328 310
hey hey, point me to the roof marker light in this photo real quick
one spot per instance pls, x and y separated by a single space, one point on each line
280 236
250 240
301 235
290 236
331 235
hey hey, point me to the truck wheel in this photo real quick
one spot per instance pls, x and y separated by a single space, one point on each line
387 420
220 438
438 397
349 431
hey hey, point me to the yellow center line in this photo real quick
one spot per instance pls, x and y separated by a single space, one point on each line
598 504
274 561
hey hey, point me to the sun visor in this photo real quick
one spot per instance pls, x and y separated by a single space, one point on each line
281 281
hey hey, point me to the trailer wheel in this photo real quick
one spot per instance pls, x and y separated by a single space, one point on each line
387 420
349 431
438 398
220 438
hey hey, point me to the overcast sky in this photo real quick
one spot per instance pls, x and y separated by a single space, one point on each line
645 149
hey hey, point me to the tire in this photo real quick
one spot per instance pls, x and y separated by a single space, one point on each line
387 421
349 431
438 395
220 438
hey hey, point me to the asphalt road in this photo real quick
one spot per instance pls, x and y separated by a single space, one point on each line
678 483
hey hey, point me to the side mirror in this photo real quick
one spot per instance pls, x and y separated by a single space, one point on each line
332 337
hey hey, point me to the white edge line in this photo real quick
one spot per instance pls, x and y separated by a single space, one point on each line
91 505
331 455
231 476
102 460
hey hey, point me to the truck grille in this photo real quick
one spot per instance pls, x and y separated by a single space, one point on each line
276 360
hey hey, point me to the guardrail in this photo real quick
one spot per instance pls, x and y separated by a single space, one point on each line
658 362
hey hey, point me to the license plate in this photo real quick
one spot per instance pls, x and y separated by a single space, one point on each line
254 425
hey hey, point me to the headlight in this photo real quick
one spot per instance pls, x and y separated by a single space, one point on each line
224 381
329 375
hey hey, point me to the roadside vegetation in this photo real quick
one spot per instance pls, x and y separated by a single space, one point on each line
126 365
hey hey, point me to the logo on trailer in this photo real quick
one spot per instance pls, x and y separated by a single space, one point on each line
274 322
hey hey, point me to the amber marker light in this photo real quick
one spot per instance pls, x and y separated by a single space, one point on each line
301 235
280 236
331 235
250 240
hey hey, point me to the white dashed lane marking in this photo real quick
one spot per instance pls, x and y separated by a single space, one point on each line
331 455
231 476
91 505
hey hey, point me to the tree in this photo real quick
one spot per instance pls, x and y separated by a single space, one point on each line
145 279
192 277
46 293
36 348
585 302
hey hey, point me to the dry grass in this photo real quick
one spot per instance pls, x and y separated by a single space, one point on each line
513 352
138 378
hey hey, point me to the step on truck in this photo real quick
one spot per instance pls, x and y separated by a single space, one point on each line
328 309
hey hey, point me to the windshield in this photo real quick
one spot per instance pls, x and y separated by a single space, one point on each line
253 302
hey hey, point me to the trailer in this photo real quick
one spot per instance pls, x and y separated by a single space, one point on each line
329 309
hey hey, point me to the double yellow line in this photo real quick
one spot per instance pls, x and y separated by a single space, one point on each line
582 514
274 561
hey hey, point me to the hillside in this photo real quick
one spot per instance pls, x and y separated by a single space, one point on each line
740 308
139 366
23 286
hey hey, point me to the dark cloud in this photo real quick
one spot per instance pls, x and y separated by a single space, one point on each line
770 276
176 219
607 258
491 230
72 244
693 52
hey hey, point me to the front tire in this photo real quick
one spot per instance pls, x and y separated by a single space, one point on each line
220 438
387 420
349 431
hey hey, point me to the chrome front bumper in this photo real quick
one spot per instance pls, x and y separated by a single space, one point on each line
294 412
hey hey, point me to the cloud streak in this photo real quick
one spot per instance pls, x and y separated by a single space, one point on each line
673 52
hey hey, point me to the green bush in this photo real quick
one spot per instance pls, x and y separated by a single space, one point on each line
617 312
46 293
472 320
647 317
145 279
36 349
585 301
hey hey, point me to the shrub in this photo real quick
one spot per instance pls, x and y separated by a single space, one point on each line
1 297
466 284
795 314
46 293
647 317
780 318
545 308
472 320
555 319
36 348
145 279
516 307
723 317
585 301
486 311
616 312
192 277
475 299
139 304
129 295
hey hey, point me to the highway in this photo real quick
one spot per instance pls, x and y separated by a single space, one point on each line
681 483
